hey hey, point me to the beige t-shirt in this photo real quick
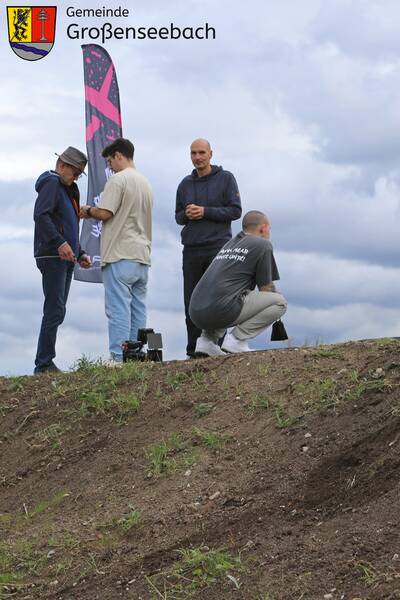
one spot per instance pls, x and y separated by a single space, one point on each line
127 194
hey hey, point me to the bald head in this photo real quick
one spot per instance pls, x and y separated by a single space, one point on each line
201 142
256 222
201 153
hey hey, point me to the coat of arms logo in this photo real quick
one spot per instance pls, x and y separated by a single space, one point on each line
31 30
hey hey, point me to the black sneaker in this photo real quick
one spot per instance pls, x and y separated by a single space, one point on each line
47 368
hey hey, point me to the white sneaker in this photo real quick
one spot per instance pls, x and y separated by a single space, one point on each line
232 344
205 346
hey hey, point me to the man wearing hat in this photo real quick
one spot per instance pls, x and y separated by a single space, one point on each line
56 246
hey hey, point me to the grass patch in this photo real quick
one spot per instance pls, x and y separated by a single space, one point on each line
130 520
369 575
46 505
202 409
51 435
330 393
198 378
210 439
176 380
85 364
385 342
107 400
282 419
17 384
259 402
263 370
170 455
195 571
327 353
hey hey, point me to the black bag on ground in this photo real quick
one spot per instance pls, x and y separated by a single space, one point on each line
278 332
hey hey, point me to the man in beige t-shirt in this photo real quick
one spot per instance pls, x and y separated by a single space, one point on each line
125 210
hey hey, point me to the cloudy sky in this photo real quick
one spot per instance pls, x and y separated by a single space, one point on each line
300 100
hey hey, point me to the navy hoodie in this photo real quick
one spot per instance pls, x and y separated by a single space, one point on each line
219 194
55 215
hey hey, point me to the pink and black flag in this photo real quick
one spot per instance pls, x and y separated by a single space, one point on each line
103 125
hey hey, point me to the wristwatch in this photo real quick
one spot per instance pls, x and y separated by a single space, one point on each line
88 211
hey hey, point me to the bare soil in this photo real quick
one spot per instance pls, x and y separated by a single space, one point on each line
123 483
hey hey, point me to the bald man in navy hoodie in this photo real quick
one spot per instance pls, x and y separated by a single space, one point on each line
207 201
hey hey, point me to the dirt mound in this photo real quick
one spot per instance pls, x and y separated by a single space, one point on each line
261 476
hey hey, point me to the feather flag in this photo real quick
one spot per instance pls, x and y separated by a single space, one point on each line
103 125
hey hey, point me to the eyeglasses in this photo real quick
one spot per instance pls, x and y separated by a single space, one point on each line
75 172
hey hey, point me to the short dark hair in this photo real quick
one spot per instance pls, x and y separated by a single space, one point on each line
122 145
253 219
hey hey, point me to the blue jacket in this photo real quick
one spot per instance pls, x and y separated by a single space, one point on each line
56 216
219 194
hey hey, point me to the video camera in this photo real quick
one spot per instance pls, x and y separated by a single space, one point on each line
133 350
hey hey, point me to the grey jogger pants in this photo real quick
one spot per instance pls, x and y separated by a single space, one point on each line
260 309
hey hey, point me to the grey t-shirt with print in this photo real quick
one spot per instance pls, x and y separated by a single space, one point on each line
246 261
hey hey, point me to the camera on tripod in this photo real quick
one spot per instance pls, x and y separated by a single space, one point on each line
133 350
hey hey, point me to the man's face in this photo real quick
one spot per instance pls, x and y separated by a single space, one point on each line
200 153
68 173
266 230
114 162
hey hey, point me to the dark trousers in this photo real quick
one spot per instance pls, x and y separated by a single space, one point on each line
195 264
56 281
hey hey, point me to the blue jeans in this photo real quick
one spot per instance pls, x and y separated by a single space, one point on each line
125 286
56 281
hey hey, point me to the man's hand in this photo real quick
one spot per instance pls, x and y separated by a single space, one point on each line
269 288
194 212
99 214
85 261
83 212
65 252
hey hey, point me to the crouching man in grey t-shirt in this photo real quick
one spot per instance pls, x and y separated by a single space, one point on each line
226 296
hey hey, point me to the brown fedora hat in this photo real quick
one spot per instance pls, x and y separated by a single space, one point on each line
74 157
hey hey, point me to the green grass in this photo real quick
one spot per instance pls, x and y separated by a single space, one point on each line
177 380
115 393
195 571
259 402
327 353
202 409
45 505
282 419
51 435
130 520
263 370
384 342
210 439
369 574
171 454
107 400
198 378
85 363
17 384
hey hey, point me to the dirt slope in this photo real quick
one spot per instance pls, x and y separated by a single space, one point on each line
262 476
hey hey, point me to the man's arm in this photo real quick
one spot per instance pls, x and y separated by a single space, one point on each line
45 206
268 288
266 271
93 212
233 208
180 215
224 214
